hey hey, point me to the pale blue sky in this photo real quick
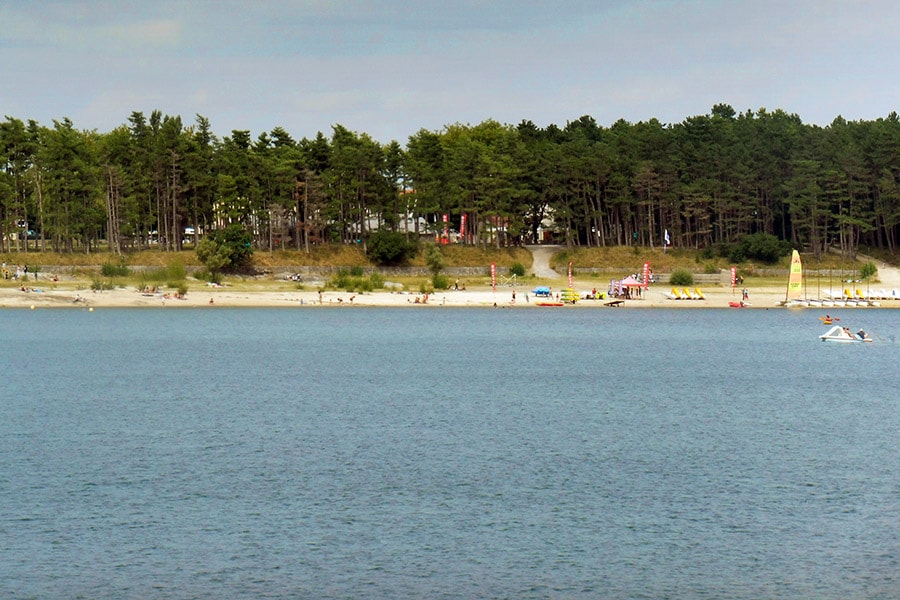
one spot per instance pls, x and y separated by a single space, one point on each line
390 68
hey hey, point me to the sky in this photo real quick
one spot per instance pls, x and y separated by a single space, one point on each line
391 68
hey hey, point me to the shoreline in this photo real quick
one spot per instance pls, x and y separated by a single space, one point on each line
213 297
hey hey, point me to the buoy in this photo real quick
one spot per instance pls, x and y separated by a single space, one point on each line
91 309
32 307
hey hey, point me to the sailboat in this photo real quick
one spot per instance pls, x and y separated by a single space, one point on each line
795 284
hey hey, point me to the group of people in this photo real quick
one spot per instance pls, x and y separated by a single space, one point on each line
19 273
861 334
845 331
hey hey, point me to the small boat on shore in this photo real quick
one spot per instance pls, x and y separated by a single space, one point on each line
843 335
792 298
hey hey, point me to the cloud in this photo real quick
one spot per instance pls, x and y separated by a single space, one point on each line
391 67
162 33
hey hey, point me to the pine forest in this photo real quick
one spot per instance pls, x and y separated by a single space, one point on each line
156 181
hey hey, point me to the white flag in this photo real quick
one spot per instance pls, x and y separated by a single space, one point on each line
667 238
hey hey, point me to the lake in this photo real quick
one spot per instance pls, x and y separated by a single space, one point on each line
448 453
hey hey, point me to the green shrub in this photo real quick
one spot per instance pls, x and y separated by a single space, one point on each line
735 253
99 286
681 277
361 285
434 259
156 275
226 249
176 271
868 270
389 248
518 269
172 272
440 282
341 280
357 271
205 275
763 247
114 270
344 280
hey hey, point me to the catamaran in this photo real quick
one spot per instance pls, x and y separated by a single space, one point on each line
792 299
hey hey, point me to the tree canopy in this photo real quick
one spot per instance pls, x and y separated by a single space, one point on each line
709 181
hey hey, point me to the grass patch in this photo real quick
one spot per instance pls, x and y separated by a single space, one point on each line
114 270
348 281
160 266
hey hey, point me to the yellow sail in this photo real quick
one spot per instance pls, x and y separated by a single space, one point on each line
795 282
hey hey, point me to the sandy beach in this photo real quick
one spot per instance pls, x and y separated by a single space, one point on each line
200 295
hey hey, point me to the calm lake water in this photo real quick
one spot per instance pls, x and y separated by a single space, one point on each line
448 453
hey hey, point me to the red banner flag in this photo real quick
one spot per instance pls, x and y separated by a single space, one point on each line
733 277
494 276
646 275
462 227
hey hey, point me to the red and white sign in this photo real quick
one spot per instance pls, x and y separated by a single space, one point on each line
494 276
646 275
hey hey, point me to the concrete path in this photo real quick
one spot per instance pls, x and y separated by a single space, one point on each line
888 276
540 262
